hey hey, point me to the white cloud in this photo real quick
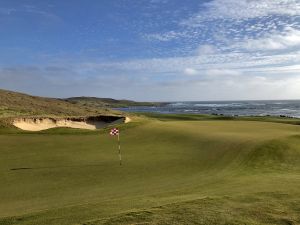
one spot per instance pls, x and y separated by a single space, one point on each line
233 49
223 72
29 10
190 72
288 39
229 88
237 25
175 65
206 50
243 9
168 36
159 1
230 81
293 69
6 11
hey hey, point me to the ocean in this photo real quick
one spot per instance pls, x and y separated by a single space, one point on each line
288 108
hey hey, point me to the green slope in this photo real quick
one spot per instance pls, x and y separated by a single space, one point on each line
18 104
108 102
174 172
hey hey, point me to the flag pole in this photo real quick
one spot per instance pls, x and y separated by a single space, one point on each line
120 156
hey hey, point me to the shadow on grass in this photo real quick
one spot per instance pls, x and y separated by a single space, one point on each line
54 167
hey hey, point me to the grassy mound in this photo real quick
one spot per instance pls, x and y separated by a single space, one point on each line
17 104
173 172
108 102
275 154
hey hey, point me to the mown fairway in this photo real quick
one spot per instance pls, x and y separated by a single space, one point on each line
173 172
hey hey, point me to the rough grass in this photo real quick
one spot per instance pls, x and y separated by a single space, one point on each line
173 172
17 104
264 208
108 102
200 117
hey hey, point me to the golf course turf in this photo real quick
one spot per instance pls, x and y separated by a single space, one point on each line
175 171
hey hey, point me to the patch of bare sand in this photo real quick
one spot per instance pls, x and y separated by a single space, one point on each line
38 124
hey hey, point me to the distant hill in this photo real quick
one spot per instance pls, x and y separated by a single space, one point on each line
108 102
18 104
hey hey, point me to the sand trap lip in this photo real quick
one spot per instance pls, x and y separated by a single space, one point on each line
90 123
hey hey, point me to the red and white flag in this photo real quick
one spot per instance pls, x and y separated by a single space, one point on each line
114 131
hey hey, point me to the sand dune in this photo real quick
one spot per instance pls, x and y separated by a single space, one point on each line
90 123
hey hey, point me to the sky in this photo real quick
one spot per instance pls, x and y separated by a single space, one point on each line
152 50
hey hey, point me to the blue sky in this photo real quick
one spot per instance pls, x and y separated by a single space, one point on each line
154 50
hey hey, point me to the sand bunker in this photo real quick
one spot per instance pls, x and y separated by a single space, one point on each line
90 123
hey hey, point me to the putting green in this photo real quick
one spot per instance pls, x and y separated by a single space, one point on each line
173 172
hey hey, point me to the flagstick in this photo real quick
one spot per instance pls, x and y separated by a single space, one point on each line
120 156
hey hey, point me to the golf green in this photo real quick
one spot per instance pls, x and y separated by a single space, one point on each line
173 172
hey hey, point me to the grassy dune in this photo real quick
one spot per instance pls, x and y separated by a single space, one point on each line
107 102
14 104
174 172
